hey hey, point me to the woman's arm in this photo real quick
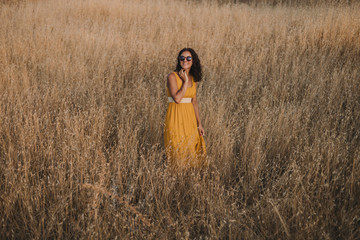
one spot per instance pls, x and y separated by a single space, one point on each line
176 93
196 109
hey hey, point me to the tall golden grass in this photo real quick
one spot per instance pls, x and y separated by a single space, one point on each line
83 103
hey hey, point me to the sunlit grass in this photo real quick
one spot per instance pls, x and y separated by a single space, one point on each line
83 103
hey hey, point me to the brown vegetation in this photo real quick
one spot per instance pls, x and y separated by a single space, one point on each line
83 103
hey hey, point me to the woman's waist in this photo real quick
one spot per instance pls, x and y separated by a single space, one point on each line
183 100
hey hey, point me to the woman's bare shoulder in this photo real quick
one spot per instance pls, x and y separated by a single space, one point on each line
171 76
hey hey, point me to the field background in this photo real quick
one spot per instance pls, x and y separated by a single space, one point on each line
82 88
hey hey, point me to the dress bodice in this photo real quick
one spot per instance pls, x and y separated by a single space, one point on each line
190 92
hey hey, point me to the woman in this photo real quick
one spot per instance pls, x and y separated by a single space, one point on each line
184 142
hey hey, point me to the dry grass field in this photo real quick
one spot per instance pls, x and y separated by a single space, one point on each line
83 101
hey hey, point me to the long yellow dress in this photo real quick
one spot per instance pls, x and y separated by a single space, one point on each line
183 143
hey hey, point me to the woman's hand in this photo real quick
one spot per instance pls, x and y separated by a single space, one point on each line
184 76
201 130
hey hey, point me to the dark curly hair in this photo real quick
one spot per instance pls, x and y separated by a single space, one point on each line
195 70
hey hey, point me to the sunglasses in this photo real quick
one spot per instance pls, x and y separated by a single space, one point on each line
188 58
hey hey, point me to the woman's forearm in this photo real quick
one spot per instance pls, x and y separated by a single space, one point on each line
197 115
176 93
179 94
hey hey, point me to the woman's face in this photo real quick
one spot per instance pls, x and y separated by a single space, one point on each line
185 61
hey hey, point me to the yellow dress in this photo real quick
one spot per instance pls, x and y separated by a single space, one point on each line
183 143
